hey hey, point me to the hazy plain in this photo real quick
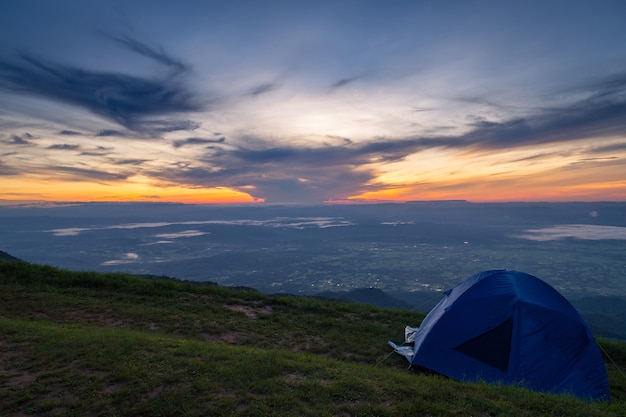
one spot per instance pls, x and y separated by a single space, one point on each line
580 248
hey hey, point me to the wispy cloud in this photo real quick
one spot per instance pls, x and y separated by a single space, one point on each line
64 147
136 103
8 170
69 133
601 114
262 89
129 161
98 151
155 53
196 141
84 174
279 172
292 173
109 132
23 139
343 82
615 147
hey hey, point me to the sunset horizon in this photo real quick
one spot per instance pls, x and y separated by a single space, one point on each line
298 103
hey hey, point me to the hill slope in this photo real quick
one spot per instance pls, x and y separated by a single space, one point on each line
8 257
88 344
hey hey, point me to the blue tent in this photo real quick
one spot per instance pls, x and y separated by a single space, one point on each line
513 328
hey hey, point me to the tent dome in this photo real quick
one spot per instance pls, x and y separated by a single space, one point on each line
509 327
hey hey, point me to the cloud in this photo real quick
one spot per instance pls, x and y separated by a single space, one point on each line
109 132
154 53
343 82
169 125
83 174
417 109
196 141
616 147
7 170
601 114
537 157
69 133
64 146
276 183
288 172
20 139
380 150
587 160
129 161
99 151
292 173
92 153
131 101
262 89
296 173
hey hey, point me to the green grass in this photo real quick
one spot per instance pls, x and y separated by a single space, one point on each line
88 344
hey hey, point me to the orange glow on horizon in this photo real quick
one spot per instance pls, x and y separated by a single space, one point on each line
494 192
540 187
137 190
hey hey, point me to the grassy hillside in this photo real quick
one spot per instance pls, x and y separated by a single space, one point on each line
88 344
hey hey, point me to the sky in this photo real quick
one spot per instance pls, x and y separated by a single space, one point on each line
305 102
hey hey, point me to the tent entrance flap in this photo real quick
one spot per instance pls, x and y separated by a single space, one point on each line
492 347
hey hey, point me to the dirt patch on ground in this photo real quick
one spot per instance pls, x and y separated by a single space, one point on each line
106 318
312 344
297 379
294 379
252 312
14 379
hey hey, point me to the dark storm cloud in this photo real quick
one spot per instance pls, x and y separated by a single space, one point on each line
196 141
128 100
64 146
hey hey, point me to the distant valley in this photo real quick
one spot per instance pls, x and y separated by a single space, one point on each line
411 252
